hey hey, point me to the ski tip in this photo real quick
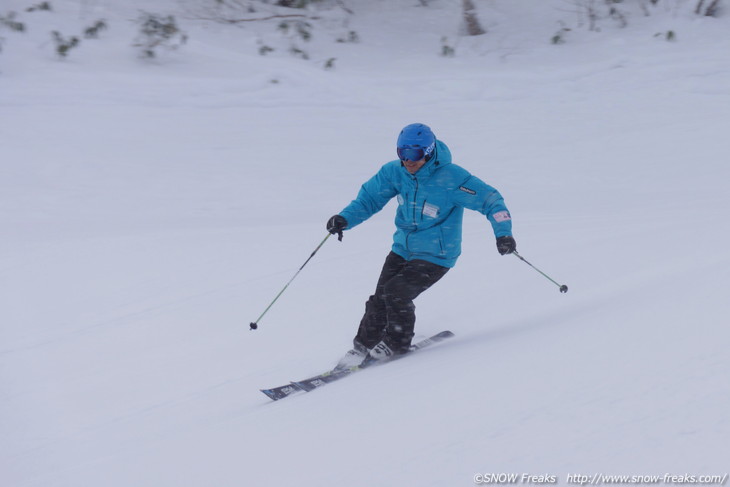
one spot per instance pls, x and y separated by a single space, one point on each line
270 394
281 392
445 334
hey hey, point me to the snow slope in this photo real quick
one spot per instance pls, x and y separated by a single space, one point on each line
151 210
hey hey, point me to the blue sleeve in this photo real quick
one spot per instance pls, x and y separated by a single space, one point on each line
373 196
477 195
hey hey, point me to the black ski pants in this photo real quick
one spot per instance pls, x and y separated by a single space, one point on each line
390 314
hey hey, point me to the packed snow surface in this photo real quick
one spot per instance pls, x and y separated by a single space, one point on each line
151 209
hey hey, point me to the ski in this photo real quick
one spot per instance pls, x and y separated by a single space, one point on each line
333 375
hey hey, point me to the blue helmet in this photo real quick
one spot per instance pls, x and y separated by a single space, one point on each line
415 142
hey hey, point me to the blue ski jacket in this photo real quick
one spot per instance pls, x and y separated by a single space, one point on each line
430 206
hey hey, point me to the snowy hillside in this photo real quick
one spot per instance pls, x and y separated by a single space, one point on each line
151 209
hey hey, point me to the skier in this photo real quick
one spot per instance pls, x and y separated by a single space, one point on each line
432 193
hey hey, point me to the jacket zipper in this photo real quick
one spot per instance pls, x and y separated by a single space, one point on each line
415 201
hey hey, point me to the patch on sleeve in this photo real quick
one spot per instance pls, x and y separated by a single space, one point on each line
502 216
467 190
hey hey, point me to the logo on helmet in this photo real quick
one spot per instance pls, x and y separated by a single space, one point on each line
428 150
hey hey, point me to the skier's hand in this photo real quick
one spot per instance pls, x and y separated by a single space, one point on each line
506 245
335 225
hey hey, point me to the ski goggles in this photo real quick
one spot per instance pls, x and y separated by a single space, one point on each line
415 153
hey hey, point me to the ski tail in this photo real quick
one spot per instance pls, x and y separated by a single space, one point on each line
431 340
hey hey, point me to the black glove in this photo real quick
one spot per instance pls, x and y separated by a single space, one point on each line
506 245
336 225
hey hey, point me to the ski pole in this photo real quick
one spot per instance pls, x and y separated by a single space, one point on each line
563 287
255 324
